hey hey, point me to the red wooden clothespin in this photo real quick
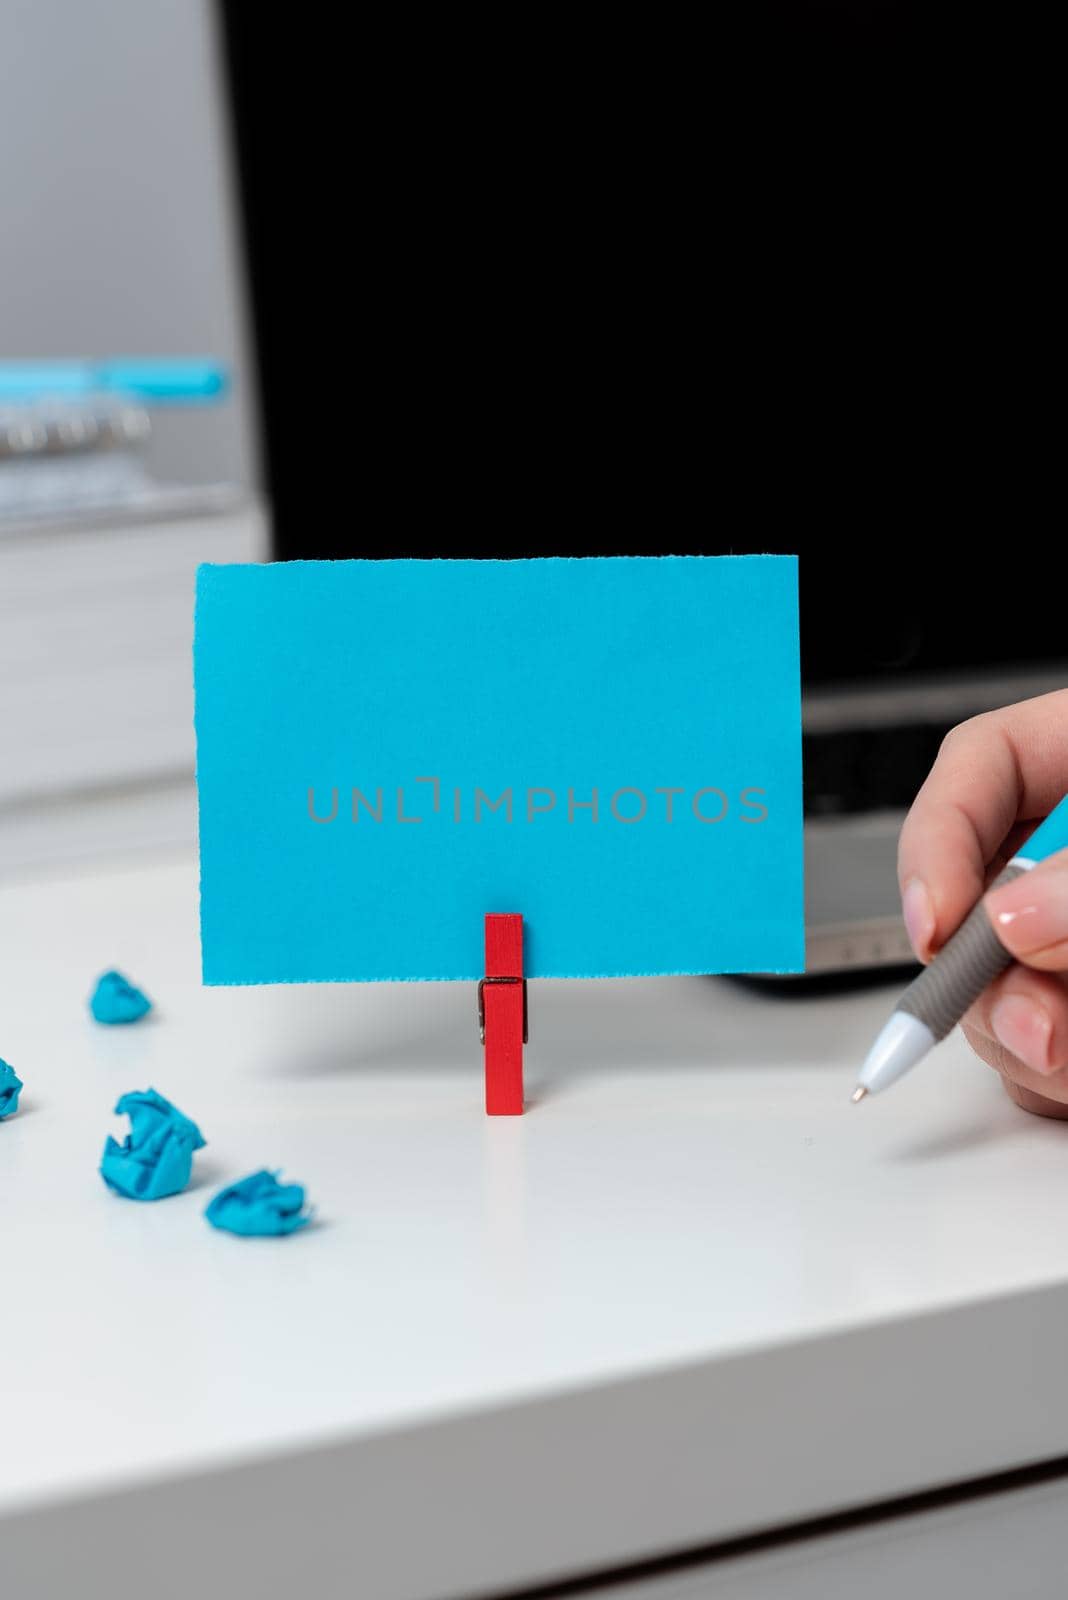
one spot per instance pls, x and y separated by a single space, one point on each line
502 1015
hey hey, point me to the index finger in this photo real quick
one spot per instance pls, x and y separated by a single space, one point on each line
992 772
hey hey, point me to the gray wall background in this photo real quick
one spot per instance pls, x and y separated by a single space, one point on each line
119 233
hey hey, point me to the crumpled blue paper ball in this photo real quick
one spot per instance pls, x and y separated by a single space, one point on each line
156 1158
115 999
259 1206
10 1089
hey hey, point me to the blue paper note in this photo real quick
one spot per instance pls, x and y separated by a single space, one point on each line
259 1207
116 1000
10 1089
156 1158
388 750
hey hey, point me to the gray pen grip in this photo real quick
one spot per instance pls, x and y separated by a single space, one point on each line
961 970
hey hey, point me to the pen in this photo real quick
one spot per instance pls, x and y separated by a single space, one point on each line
934 1003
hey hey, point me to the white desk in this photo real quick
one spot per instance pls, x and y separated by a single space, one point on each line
693 1292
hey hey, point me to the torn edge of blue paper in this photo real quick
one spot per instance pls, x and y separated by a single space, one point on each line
156 1158
115 999
10 1088
259 1207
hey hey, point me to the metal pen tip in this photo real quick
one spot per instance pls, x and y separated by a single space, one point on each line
858 1093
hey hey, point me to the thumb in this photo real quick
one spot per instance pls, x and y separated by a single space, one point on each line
1030 915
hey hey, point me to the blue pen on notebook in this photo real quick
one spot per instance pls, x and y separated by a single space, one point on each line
935 1002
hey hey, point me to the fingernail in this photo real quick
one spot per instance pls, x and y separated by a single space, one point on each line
1032 913
919 917
1024 1029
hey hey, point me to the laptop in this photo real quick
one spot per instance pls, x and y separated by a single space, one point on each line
797 374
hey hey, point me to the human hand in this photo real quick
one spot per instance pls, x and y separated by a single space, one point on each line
996 777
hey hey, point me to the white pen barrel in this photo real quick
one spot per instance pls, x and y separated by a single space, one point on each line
903 1041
